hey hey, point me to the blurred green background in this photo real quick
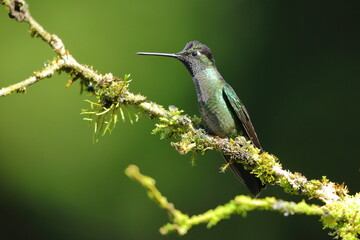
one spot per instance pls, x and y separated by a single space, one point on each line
295 64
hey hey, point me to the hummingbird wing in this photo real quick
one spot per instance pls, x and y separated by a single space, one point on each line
242 114
251 181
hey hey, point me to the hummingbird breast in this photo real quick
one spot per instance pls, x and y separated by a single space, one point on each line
217 114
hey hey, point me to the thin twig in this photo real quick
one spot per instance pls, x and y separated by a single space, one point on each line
181 223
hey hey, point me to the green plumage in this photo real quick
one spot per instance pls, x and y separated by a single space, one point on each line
223 113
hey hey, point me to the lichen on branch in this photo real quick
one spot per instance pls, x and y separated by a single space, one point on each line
340 211
181 223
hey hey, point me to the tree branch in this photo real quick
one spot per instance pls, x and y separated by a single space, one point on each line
340 212
181 222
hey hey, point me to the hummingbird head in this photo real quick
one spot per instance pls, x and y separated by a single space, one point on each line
195 56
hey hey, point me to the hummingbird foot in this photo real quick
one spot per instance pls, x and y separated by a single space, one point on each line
225 166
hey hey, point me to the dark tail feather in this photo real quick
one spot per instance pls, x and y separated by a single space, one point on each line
251 182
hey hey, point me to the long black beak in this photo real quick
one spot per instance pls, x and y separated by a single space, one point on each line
159 54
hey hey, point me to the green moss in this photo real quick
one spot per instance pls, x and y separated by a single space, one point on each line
343 217
109 107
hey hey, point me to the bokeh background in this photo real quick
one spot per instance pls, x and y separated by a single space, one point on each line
295 64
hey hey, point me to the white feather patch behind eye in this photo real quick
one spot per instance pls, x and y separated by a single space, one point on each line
198 53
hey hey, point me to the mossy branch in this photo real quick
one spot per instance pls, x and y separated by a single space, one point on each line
181 223
340 212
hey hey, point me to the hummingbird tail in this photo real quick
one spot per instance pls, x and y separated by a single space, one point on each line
251 182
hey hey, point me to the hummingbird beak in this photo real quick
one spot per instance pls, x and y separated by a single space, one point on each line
174 55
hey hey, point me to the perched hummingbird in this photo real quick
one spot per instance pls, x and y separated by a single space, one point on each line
223 113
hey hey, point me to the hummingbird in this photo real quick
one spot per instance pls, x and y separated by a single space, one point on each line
223 113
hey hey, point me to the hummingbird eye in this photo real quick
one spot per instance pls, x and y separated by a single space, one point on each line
194 54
